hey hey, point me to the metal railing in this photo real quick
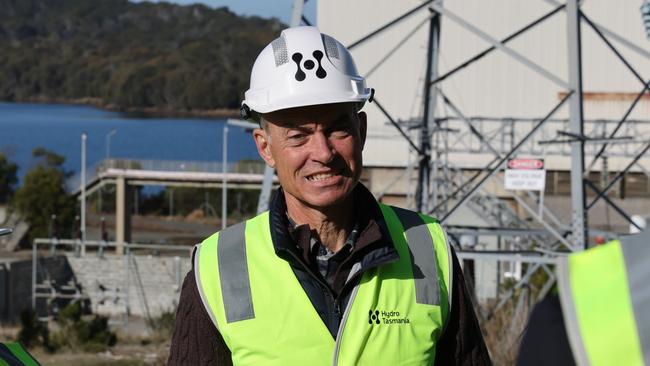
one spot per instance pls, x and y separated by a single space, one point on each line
93 173
505 132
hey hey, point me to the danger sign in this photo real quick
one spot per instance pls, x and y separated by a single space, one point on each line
525 174
525 163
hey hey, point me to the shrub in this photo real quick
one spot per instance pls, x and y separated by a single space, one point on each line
163 326
76 333
32 332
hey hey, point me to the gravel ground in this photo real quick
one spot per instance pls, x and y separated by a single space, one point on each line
129 351
121 354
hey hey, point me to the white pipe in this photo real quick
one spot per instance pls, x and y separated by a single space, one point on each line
84 137
224 189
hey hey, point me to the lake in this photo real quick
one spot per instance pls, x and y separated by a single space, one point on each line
58 127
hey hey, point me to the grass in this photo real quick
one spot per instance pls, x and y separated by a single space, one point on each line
137 354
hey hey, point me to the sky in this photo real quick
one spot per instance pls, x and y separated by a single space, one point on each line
280 9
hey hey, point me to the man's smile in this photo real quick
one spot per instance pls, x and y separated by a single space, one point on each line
319 177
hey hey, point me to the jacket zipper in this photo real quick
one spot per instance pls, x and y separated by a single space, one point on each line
311 273
339 334
331 298
337 303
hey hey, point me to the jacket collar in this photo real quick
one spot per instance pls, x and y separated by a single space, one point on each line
374 244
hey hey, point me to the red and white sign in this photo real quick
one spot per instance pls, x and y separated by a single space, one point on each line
526 164
525 174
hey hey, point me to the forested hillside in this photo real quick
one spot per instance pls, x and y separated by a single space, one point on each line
128 55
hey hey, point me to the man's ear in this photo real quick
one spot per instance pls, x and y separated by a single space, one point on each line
363 127
263 144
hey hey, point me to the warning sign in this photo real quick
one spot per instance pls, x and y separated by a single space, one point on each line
525 174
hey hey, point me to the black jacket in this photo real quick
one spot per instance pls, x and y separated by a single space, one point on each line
194 342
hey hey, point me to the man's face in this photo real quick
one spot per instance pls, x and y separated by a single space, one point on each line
316 152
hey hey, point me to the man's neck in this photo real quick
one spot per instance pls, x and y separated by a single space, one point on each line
332 224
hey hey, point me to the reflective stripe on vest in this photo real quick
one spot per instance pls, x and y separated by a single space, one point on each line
14 354
395 314
605 299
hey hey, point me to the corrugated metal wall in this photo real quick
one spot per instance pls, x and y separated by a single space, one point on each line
497 85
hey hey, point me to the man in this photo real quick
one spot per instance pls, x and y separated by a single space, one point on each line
328 275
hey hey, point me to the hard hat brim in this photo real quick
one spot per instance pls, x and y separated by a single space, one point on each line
307 100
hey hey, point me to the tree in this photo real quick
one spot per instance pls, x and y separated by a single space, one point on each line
42 195
8 178
128 55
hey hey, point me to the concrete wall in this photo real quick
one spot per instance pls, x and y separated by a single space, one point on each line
152 282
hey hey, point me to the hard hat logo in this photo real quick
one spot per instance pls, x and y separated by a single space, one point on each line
309 64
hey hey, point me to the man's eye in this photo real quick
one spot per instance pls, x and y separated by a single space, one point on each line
296 137
340 132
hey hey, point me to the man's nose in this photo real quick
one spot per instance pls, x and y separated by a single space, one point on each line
321 149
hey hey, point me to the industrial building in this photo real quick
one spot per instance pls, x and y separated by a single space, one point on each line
496 69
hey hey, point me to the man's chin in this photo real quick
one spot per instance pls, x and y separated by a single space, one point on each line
328 200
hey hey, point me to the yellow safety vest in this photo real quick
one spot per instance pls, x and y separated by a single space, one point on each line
13 353
395 315
605 296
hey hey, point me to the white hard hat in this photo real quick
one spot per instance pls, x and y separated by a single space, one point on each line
300 68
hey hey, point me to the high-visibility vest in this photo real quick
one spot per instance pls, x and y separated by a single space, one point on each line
605 297
395 315
14 354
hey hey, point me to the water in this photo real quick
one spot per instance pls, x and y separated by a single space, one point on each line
55 127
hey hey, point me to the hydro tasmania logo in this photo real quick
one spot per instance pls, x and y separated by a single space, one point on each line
373 317
387 317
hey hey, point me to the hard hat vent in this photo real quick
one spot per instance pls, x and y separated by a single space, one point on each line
280 51
331 46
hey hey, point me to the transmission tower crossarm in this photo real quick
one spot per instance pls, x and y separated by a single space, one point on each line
498 44
389 24
467 122
488 50
398 45
623 40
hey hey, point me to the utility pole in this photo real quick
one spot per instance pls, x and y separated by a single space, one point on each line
578 213
84 137
224 186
